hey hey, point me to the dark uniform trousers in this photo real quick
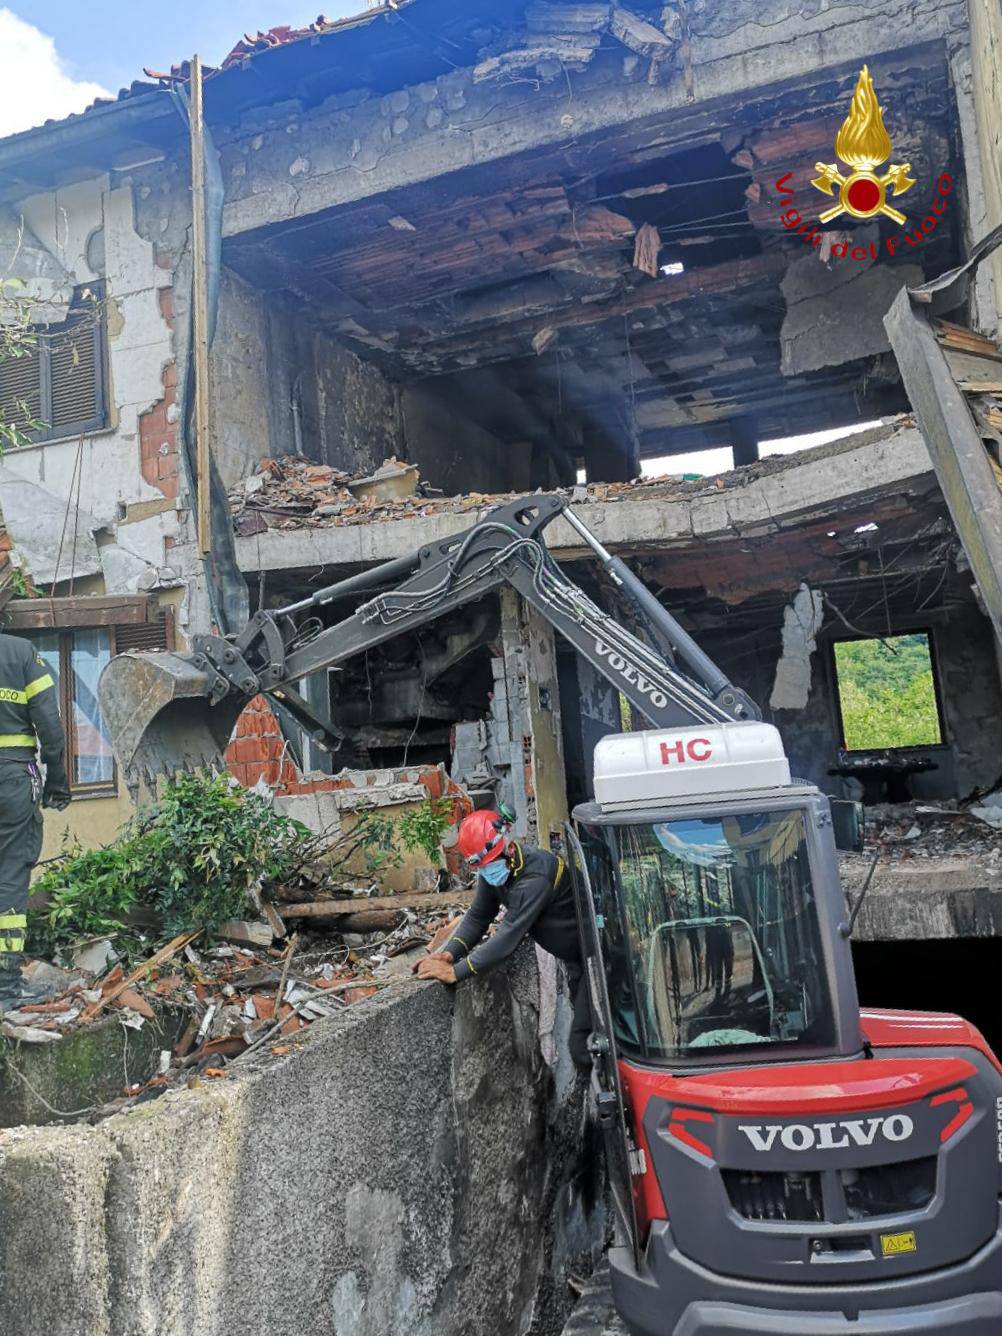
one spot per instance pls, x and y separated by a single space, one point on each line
20 845
29 723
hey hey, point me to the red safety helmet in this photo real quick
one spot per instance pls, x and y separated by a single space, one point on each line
481 837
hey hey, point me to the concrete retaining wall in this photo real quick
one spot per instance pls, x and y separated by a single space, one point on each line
413 1168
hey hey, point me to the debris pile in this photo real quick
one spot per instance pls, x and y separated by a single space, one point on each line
222 1001
186 923
947 829
294 493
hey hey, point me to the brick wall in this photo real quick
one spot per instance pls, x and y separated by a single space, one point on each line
257 751
158 435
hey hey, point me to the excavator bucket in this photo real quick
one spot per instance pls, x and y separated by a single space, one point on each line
159 716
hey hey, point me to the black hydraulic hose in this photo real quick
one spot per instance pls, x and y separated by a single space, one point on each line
354 584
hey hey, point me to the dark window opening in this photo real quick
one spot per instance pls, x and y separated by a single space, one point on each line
956 975
58 387
886 693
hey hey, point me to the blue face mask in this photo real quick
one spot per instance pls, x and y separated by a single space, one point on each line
496 873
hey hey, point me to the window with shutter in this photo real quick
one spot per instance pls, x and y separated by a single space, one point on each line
60 382
20 389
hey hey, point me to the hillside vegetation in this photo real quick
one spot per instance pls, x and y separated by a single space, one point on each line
887 693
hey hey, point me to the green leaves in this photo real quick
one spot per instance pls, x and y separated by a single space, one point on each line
423 827
191 858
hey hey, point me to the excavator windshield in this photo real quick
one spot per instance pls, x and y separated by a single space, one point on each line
713 940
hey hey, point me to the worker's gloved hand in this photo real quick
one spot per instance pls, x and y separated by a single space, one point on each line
58 799
433 967
447 956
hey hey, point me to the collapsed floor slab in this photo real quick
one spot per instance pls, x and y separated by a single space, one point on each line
414 1167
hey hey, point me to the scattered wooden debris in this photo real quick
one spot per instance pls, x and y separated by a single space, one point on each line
94 1009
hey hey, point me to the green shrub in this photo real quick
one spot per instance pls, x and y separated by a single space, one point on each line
421 828
191 858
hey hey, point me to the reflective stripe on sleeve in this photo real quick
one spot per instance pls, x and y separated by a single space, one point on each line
11 945
13 920
40 684
18 740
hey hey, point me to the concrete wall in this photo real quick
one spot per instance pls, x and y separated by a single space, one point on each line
412 1168
986 63
970 693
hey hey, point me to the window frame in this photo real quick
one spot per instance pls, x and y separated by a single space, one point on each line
45 334
118 615
833 676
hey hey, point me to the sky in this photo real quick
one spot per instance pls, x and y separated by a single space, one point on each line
708 462
56 56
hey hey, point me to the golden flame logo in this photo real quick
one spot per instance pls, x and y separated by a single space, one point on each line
863 144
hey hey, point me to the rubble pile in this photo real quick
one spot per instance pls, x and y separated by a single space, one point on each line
915 830
295 493
222 1001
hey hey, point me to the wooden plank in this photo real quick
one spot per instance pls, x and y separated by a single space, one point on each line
200 309
970 369
959 457
958 336
42 614
362 903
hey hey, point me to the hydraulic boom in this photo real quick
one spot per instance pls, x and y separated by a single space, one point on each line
170 711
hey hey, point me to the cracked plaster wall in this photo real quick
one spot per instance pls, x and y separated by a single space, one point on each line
89 231
414 1167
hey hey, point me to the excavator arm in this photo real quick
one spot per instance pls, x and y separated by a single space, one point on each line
171 711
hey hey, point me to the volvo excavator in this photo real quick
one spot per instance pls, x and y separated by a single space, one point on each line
780 1160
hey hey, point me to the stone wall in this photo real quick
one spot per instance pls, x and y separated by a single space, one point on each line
412 1167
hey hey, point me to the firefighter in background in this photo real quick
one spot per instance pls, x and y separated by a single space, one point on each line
29 725
534 887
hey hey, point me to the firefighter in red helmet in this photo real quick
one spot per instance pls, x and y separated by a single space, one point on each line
534 888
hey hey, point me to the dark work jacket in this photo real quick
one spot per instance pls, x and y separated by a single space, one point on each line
29 711
539 903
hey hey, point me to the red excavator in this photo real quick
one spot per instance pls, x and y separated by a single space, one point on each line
780 1161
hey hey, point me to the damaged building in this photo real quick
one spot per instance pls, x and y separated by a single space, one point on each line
515 247
462 252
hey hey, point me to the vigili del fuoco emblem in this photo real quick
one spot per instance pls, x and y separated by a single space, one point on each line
863 144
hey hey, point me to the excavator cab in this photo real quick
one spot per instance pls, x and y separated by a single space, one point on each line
774 1168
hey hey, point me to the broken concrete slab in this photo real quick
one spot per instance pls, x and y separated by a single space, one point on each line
761 498
925 899
836 315
77 1071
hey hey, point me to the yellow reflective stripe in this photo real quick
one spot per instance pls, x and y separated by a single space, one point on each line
39 684
13 920
454 938
11 945
18 740
10 696
470 964
561 868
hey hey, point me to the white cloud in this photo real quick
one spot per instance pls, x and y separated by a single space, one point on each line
35 84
